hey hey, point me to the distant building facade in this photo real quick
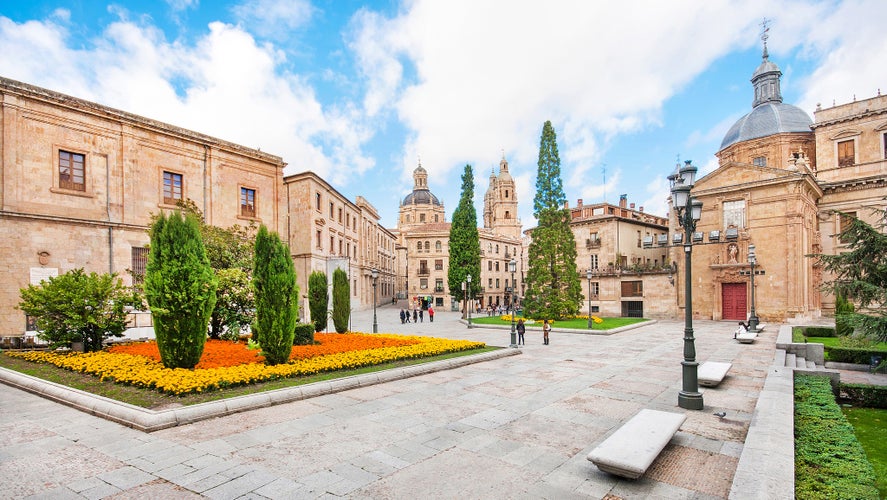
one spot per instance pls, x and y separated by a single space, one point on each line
326 231
423 244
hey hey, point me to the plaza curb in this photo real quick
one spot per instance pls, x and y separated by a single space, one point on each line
567 330
147 420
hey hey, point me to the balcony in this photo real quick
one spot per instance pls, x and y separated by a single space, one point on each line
592 243
424 271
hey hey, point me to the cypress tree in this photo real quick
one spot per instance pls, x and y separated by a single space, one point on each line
464 241
277 308
341 301
180 288
318 300
553 288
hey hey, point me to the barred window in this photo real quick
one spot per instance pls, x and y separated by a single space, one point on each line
72 174
139 265
734 213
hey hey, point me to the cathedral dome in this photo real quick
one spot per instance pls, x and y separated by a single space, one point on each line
769 115
767 119
421 197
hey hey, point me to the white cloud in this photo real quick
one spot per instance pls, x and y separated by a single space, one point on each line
274 19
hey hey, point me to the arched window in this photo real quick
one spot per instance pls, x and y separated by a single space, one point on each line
427 246
497 248
437 246
507 214
490 247
419 246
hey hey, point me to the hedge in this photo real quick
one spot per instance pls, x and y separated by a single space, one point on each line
818 331
864 395
829 461
858 355
304 334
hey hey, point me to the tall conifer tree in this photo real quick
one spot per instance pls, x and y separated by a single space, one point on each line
341 301
318 300
464 241
553 288
181 289
277 294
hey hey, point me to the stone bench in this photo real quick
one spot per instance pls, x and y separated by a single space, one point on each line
711 373
746 337
630 450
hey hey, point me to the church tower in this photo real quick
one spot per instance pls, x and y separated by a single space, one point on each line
500 204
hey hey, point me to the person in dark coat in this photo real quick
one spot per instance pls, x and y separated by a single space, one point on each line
401 316
415 316
521 329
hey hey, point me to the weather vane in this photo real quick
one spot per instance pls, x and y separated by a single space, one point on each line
765 28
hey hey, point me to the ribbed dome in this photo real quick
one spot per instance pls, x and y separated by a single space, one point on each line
421 197
767 119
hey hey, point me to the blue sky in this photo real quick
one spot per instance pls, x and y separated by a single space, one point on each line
359 91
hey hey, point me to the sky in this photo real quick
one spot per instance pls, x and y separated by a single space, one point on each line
361 92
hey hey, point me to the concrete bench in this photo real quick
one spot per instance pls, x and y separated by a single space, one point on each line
711 373
746 337
630 450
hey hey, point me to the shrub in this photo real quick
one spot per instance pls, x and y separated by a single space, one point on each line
868 396
341 301
818 331
861 356
829 461
318 300
181 289
277 308
304 334
79 307
843 311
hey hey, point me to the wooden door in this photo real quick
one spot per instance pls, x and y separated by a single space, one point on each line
733 301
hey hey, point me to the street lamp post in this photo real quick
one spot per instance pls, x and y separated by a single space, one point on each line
588 276
512 266
753 317
375 274
470 304
689 211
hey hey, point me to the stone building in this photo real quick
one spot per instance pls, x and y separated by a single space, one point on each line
327 231
79 182
780 177
423 244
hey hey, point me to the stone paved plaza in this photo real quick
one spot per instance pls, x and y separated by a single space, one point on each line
516 427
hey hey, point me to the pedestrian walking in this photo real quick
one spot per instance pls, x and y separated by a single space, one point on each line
546 328
521 329
415 316
402 314
406 315
421 316
431 314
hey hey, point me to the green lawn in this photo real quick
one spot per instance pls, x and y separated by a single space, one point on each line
573 324
836 342
869 425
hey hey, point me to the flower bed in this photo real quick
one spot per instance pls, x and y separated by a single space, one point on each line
226 364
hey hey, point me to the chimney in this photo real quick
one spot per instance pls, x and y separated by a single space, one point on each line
623 200
641 208
631 206
579 202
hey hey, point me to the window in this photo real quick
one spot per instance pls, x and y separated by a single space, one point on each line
844 222
423 267
595 288
490 282
438 285
497 282
734 213
884 140
319 237
317 201
497 248
435 218
846 153
332 244
438 264
594 261
427 246
639 239
172 188
489 265
497 265
340 247
507 214
438 246
348 249
421 217
139 264
759 161
423 283
72 174
331 210
340 215
632 288
247 202
506 197
419 246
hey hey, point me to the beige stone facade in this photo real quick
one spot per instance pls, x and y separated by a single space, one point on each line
327 231
779 191
79 182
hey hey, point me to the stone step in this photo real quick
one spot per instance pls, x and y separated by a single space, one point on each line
790 359
779 360
811 365
800 362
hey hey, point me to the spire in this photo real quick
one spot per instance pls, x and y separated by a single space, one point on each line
766 78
